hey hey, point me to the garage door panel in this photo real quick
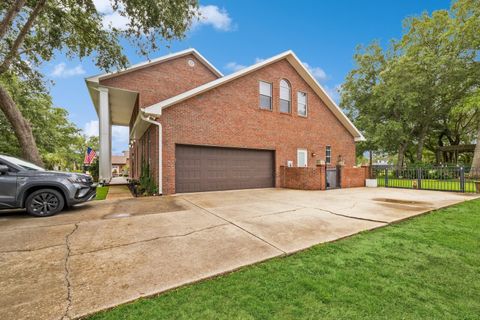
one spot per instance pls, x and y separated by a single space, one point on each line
200 168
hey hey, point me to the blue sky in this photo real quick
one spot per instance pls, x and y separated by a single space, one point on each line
234 34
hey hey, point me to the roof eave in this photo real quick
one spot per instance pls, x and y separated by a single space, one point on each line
208 64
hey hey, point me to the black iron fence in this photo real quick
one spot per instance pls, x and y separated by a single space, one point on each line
441 178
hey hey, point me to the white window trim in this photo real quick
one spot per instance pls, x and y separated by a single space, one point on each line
289 87
329 159
260 94
306 104
306 157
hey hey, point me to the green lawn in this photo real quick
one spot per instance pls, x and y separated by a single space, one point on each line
101 193
428 184
424 268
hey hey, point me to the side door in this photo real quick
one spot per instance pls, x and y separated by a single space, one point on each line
8 187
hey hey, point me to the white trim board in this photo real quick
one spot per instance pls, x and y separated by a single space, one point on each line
155 109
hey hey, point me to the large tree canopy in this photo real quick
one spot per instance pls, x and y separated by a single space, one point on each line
60 142
413 95
33 31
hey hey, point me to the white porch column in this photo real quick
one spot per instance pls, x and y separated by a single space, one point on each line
105 137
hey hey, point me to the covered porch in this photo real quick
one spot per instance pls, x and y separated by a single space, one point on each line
114 107
119 107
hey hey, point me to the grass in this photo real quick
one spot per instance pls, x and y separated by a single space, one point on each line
424 268
428 184
101 193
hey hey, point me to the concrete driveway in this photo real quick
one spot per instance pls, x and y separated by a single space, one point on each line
109 252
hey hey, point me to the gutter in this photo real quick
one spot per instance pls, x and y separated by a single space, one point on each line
151 120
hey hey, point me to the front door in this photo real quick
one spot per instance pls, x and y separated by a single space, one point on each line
8 188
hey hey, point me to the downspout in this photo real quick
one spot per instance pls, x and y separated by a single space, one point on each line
152 120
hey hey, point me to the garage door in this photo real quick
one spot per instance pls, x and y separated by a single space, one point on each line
211 168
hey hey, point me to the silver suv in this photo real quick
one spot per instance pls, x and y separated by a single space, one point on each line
42 193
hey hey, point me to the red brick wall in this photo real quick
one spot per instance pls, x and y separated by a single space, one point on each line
154 84
353 177
164 80
229 116
302 178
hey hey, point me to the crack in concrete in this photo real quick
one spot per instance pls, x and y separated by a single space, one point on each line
150 239
274 213
351 217
236 225
67 273
334 213
31 250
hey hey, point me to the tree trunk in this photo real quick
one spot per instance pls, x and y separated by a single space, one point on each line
370 164
9 16
21 127
421 142
401 155
475 171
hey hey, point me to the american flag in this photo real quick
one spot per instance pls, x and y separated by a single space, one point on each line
89 156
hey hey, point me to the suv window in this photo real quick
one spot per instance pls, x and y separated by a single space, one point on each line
10 168
22 163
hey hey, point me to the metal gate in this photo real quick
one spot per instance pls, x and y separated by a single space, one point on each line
332 178
441 178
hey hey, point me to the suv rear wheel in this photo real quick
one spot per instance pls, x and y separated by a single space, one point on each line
44 203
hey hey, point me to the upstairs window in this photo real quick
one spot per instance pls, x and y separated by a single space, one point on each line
302 104
285 96
265 89
328 155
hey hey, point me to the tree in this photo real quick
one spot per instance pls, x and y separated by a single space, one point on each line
32 32
415 89
59 140
467 26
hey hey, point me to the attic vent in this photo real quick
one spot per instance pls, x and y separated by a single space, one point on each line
191 63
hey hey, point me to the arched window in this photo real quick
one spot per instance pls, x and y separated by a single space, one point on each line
285 96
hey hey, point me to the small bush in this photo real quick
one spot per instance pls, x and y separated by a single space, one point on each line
146 184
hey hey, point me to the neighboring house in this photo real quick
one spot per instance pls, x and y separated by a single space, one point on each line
120 163
199 130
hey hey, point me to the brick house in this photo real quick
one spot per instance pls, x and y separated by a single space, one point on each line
199 130
120 163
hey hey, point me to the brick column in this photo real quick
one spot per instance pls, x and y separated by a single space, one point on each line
367 172
323 174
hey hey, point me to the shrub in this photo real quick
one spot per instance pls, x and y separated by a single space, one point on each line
146 184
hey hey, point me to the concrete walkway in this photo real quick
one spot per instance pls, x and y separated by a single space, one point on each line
116 192
118 180
105 253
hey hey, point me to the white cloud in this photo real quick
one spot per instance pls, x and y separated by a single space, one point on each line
115 20
317 72
210 15
62 71
233 66
214 16
91 128
120 138
103 5
334 92
120 135
110 18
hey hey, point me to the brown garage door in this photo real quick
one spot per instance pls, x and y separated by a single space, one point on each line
212 168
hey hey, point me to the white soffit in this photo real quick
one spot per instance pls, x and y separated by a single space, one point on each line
294 61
